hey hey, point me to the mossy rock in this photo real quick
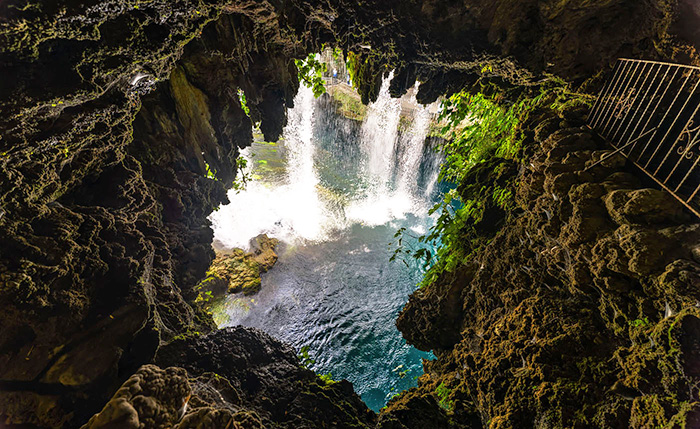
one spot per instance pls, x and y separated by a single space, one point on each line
239 271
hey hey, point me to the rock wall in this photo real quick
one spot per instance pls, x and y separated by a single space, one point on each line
582 311
105 184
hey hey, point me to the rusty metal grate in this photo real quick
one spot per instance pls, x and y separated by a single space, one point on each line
649 111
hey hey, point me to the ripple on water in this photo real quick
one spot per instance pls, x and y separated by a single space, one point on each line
334 288
343 305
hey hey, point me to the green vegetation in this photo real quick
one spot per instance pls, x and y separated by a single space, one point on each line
307 361
305 358
204 297
311 73
211 174
639 322
353 63
244 102
443 393
242 175
327 378
365 69
483 146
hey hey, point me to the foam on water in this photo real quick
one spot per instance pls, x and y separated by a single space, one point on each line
335 207
291 211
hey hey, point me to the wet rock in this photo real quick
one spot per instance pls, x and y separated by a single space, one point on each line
263 248
239 271
157 398
545 128
588 218
629 393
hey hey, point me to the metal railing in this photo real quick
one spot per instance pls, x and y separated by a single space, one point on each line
649 111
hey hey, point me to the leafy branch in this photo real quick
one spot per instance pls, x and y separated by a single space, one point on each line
310 71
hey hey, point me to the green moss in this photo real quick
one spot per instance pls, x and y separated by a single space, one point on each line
647 412
444 397
348 103
366 69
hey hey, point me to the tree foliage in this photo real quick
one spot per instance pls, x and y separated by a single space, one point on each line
311 73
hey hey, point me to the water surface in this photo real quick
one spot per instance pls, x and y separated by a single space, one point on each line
335 192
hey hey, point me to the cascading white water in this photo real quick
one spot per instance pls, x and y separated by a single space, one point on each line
298 208
412 154
290 211
336 194
379 134
393 190
298 136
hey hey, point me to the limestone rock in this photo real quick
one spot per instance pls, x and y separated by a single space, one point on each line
151 398
239 271
644 206
593 282
268 379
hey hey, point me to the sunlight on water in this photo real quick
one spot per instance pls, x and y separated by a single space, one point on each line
335 192
298 210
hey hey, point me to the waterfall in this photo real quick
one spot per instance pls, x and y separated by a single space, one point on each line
391 174
379 134
335 192
306 215
289 210
298 136
409 161
394 161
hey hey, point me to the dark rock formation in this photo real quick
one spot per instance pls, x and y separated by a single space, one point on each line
152 398
104 226
120 130
238 377
267 377
581 312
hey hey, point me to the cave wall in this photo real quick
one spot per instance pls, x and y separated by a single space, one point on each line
114 113
235 377
104 228
582 311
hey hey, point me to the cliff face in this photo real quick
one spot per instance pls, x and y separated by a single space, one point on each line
582 311
119 135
